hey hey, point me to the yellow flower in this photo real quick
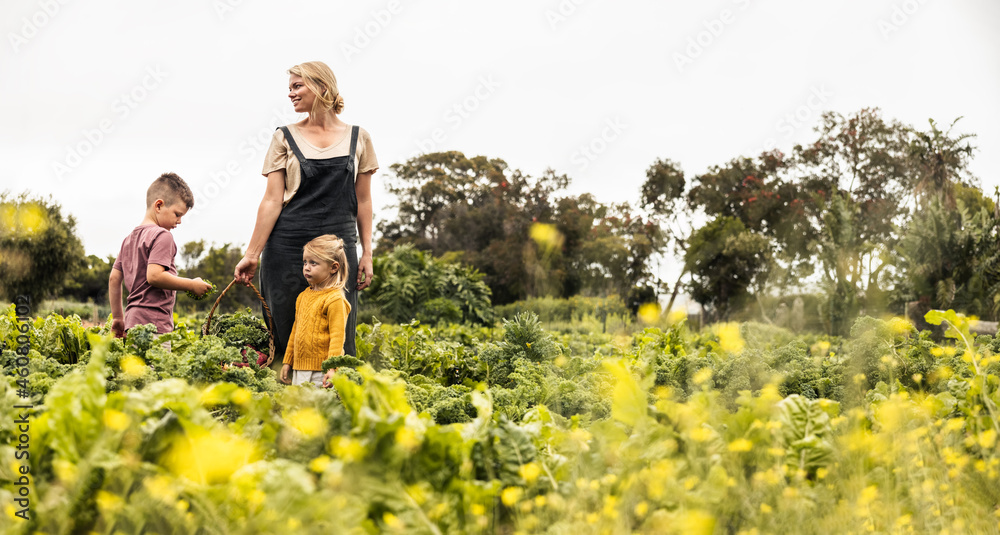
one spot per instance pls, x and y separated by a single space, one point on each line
108 502
116 420
417 493
988 439
319 464
256 497
529 472
765 508
820 348
407 439
477 509
133 367
24 219
729 337
511 495
393 521
900 326
868 495
546 236
307 421
702 375
347 448
242 397
649 313
701 434
541 500
209 456
697 523
65 470
954 424
676 315
641 509
740 444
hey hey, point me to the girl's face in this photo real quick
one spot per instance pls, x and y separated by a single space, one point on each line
302 97
318 272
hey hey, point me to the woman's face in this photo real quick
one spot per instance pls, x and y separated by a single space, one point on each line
302 97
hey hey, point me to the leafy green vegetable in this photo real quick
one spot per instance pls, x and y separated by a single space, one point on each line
205 295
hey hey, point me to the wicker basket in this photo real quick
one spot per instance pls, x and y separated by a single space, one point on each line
269 323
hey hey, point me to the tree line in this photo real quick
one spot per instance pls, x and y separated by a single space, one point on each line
871 217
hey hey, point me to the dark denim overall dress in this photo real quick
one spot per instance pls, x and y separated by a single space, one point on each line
325 203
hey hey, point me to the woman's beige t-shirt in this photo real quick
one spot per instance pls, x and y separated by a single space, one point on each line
280 155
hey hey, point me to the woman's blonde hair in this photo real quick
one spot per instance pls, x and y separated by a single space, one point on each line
320 80
330 248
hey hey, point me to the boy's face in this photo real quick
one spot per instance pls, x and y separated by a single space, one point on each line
169 216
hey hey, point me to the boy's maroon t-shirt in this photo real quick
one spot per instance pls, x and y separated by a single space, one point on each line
147 244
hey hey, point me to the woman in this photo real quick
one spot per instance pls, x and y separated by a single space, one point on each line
319 173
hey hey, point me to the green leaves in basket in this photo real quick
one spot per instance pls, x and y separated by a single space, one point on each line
211 291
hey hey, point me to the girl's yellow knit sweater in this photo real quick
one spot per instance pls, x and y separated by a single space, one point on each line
318 331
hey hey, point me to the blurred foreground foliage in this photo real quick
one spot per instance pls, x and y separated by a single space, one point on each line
737 428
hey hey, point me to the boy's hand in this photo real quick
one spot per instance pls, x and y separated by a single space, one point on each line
201 287
286 370
118 327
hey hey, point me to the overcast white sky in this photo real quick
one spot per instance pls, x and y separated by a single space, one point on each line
99 97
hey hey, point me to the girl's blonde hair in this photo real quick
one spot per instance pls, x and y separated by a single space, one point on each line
330 248
320 80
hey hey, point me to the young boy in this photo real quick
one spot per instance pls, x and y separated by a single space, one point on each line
146 261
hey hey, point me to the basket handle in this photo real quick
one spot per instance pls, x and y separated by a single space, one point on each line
269 323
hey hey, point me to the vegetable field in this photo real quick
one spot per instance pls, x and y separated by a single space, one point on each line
738 428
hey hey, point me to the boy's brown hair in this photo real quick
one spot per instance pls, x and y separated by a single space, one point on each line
171 188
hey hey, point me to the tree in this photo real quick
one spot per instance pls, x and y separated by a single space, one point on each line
39 248
940 161
216 265
725 260
482 210
614 259
662 195
951 256
89 282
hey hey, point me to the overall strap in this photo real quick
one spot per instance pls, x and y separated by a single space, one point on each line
295 148
354 150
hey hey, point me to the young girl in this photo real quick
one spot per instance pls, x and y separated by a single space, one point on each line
321 312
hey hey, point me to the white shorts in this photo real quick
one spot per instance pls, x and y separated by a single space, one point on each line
307 376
